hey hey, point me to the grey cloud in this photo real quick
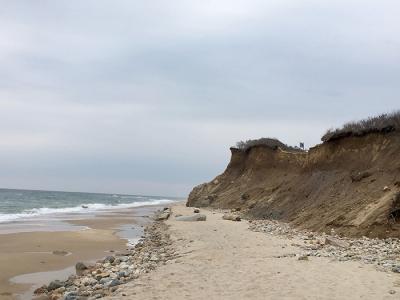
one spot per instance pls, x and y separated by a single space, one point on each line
148 96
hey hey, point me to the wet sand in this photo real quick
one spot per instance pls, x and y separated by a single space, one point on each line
32 252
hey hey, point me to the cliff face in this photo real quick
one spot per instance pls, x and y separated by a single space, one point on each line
350 184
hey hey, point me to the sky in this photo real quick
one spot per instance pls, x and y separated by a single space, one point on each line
146 97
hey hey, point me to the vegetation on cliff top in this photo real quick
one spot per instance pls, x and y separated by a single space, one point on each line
380 124
272 143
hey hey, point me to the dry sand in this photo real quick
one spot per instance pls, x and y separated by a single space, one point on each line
224 260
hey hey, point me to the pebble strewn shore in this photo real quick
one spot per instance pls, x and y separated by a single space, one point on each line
104 277
383 253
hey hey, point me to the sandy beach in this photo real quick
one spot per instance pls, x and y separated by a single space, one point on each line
24 254
220 259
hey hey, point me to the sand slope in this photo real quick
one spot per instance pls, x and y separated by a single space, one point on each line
224 260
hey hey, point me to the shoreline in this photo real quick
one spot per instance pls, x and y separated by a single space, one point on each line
222 259
29 258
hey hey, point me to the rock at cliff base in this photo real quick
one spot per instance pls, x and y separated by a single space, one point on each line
193 218
196 210
231 217
336 242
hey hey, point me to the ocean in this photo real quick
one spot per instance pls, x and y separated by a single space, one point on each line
24 204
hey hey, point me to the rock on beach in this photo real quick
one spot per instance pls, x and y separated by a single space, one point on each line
192 218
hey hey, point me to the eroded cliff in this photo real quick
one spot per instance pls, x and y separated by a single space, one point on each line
350 184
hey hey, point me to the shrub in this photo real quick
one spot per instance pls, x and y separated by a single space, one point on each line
380 124
266 142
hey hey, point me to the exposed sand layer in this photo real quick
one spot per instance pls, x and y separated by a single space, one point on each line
351 185
221 259
32 252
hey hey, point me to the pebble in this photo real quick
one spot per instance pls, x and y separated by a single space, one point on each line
104 277
383 253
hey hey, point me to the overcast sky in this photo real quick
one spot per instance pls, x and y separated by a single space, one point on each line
146 97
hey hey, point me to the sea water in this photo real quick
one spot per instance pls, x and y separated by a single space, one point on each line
21 205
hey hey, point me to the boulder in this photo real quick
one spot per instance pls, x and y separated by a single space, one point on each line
196 210
80 267
193 218
161 216
55 284
231 217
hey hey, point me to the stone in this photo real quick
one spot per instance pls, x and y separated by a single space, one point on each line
231 217
40 290
193 218
109 259
123 258
88 281
113 282
386 188
55 284
356 177
396 269
71 296
245 196
196 210
302 257
336 242
80 267
162 216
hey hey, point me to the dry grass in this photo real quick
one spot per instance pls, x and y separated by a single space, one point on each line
380 124
266 142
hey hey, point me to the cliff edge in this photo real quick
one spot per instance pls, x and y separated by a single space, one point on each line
350 184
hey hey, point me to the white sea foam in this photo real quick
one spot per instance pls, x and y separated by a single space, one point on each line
81 209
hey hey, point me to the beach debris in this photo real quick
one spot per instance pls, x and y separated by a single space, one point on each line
193 218
85 206
196 210
231 217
